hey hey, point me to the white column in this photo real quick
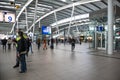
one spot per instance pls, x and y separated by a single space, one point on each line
35 17
77 31
26 18
70 20
95 37
39 27
110 27
56 22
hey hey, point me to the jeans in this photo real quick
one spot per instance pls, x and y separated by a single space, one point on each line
38 46
4 47
72 46
23 63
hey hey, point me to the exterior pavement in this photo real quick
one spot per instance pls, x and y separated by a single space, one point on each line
62 64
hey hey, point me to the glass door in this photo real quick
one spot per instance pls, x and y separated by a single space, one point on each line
100 40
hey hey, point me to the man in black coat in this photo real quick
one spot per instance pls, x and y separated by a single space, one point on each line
4 42
22 50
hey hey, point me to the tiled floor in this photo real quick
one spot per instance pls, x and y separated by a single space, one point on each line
62 64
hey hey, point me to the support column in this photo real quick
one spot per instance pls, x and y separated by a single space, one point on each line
71 20
95 37
110 27
78 38
26 18
35 18
40 29
56 22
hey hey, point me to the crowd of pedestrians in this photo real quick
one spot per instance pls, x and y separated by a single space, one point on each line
23 45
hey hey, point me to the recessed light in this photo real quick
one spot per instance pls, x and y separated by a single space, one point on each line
63 0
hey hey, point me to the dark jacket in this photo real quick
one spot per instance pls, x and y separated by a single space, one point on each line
4 41
22 45
73 42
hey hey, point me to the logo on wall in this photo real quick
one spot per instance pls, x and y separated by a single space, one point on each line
9 18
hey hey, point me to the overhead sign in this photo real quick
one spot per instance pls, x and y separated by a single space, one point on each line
9 17
100 28
46 30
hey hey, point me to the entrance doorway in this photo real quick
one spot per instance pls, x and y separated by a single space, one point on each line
101 37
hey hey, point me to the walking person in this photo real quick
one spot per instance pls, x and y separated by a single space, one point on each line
80 41
4 42
44 44
38 43
31 45
52 43
72 44
9 42
28 45
48 42
56 40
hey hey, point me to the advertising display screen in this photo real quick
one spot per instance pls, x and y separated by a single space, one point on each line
9 17
1 16
46 30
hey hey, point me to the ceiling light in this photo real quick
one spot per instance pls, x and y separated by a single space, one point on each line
41 8
83 16
5 3
10 7
31 8
63 0
39 12
12 0
30 13
44 5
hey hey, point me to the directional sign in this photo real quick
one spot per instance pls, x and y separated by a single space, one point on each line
10 17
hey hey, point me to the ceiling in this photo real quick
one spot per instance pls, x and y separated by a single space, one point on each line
44 7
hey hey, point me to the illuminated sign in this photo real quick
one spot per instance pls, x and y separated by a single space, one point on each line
46 30
9 17
100 28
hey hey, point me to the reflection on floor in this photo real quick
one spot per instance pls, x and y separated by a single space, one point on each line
61 64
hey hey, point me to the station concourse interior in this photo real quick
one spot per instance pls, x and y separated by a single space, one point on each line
93 26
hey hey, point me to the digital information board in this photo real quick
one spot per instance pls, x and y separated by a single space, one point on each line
46 30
